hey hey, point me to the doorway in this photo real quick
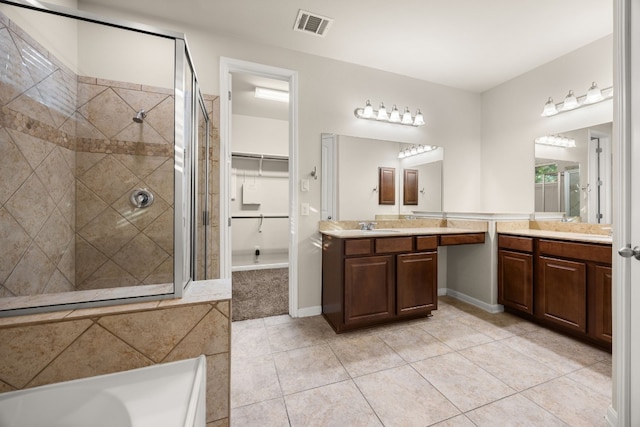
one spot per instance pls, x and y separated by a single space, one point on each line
258 197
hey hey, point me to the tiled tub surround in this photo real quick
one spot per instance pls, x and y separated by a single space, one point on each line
70 155
47 348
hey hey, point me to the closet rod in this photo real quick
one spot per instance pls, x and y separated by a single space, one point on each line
259 156
259 216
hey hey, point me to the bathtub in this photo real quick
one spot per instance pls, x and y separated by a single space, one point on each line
242 261
170 394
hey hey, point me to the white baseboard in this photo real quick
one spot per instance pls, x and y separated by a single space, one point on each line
491 308
611 417
442 291
309 311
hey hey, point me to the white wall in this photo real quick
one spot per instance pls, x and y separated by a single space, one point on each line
260 136
125 56
511 120
57 34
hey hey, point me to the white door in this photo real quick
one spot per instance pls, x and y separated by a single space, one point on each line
625 409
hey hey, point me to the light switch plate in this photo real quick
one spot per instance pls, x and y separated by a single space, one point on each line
304 185
304 209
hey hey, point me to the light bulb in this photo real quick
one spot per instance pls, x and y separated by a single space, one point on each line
368 110
570 102
549 108
401 154
421 149
419 120
395 115
382 112
406 117
594 94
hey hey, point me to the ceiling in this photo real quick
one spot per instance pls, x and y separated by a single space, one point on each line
468 44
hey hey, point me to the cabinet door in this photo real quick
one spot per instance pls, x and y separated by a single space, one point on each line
562 293
515 280
369 289
602 303
417 283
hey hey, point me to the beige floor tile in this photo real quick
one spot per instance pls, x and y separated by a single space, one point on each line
513 411
253 380
338 405
458 421
571 402
557 351
511 367
414 343
364 353
597 377
309 367
464 383
249 339
456 334
486 326
302 332
402 397
271 413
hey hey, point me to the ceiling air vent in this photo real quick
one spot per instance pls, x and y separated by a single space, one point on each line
312 23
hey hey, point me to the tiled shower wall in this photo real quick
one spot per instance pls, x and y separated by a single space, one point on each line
70 157
37 168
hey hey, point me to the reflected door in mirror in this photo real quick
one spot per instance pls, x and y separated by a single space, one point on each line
386 186
410 184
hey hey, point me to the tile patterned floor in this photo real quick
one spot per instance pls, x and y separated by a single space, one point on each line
461 367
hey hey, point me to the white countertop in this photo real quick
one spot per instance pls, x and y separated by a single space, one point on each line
561 235
397 232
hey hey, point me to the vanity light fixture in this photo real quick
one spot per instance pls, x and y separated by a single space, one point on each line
415 150
572 102
272 94
556 141
381 115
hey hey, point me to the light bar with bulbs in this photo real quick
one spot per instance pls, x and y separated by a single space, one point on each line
572 102
415 150
556 141
381 115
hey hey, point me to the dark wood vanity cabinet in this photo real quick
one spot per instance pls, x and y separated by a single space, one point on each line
563 284
515 273
368 281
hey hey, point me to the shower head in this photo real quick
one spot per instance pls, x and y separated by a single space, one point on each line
140 116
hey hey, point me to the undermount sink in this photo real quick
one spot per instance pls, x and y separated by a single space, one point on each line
382 231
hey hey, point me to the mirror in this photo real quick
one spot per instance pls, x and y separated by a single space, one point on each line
351 178
576 180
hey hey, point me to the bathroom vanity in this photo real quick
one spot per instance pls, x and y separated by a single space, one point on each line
560 280
371 277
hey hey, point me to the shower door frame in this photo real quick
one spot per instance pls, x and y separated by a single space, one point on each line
184 264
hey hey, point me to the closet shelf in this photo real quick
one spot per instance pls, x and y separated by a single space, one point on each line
256 156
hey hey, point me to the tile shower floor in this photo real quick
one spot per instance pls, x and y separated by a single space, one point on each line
461 367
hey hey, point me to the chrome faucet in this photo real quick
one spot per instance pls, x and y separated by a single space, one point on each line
367 226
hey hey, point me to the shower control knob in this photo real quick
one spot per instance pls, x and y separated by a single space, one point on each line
141 198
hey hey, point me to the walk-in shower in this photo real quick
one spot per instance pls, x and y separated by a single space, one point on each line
95 207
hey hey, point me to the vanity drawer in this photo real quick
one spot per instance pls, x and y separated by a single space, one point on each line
461 239
581 251
424 243
357 247
386 245
524 244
